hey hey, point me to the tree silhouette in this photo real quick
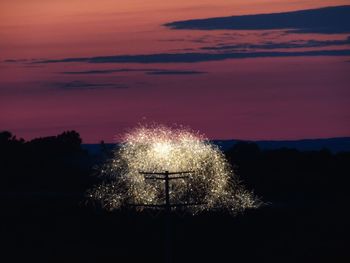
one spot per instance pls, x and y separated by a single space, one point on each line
55 163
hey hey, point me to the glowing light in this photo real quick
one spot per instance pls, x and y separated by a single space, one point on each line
211 183
162 149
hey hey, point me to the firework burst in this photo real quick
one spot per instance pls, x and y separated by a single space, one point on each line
210 182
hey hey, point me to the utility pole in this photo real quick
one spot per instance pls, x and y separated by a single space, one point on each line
166 177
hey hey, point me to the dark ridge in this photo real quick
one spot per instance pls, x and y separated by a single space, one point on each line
335 145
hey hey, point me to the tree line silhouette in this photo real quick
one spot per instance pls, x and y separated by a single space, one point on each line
289 176
60 164
49 164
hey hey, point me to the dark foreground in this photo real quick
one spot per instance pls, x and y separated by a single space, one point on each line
64 230
42 220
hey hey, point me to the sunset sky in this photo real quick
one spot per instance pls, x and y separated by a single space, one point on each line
102 67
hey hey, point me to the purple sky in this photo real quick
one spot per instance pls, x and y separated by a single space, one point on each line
242 84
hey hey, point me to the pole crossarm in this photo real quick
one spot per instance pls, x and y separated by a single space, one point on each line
164 176
163 173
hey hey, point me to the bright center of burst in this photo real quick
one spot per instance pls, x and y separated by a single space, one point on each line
162 149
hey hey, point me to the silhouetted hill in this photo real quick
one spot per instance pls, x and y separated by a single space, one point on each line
335 145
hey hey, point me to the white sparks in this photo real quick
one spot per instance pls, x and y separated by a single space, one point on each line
211 183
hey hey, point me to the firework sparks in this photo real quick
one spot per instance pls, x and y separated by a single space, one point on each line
210 184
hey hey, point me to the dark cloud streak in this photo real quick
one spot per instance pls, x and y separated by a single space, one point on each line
106 71
195 57
175 72
82 85
327 20
147 71
279 45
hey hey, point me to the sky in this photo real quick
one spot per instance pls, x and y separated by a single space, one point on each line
104 67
